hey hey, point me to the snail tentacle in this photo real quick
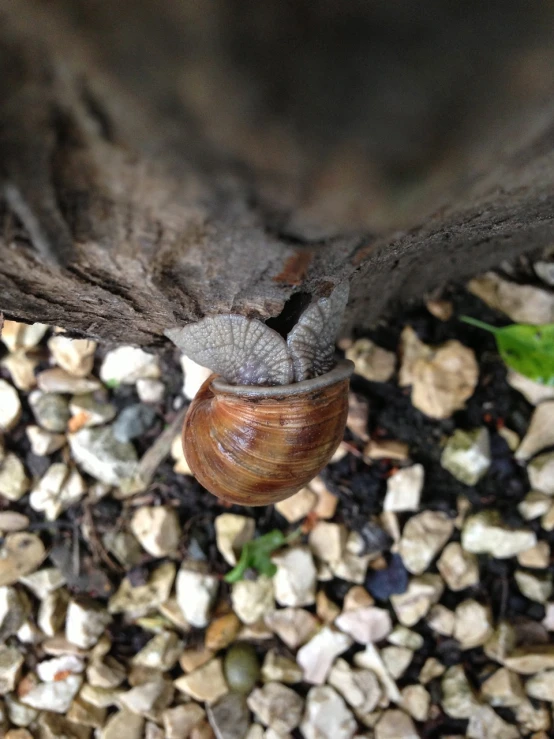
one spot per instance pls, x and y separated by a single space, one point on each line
242 350
311 342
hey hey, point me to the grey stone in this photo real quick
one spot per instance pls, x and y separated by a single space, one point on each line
360 688
484 533
10 406
93 410
14 482
99 453
44 442
11 661
44 581
51 411
467 455
327 716
14 609
123 724
86 621
57 380
57 490
75 356
127 364
133 422
56 696
140 599
229 717
196 594
541 473
545 271
276 706
150 391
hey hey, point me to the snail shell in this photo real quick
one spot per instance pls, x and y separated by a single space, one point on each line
256 445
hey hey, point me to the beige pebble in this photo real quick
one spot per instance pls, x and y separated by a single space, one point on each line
298 506
395 724
206 683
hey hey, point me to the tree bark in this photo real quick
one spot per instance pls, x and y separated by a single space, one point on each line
164 160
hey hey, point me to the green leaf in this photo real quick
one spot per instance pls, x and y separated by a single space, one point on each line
525 348
257 554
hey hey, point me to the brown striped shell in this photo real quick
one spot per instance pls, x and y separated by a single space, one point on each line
258 445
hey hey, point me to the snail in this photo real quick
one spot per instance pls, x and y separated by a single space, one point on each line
274 412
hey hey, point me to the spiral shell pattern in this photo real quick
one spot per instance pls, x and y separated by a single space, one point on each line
258 445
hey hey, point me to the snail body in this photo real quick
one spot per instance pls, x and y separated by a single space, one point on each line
258 445
274 411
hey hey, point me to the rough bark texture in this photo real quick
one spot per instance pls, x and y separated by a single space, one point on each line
182 158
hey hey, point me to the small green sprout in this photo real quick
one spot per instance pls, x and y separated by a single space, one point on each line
525 348
257 554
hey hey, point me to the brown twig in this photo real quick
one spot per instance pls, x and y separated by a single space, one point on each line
152 459
98 549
